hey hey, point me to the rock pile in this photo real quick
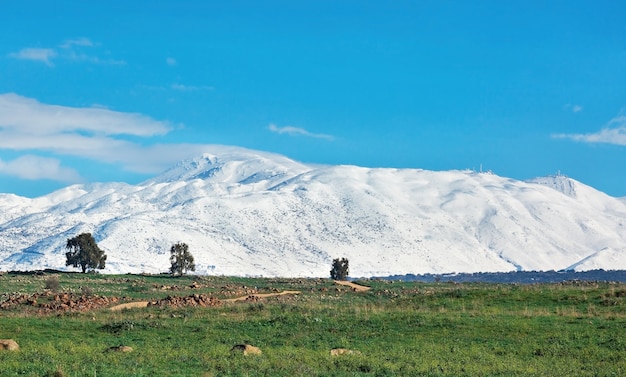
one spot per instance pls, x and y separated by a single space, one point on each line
230 290
196 300
48 302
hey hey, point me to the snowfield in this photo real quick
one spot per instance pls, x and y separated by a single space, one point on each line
252 213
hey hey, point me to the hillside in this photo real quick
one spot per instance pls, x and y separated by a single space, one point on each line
245 212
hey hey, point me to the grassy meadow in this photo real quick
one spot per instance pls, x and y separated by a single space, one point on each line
398 328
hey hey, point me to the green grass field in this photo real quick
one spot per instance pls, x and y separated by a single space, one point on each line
398 329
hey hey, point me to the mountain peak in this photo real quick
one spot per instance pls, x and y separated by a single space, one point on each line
246 212
232 166
205 158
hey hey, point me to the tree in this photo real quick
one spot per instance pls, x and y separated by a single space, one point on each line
340 269
84 252
181 259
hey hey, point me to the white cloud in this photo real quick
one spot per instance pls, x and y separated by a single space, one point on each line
613 133
93 133
146 159
25 116
34 167
37 54
171 61
90 133
295 131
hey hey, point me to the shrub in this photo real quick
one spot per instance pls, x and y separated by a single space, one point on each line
52 283
86 291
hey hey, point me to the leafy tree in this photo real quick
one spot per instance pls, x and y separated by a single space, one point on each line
340 269
181 259
84 252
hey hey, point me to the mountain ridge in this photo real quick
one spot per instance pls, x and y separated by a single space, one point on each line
253 213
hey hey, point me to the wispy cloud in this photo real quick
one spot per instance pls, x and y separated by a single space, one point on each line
34 168
81 57
44 55
128 140
28 116
77 50
613 133
68 43
573 108
94 133
190 88
171 61
296 131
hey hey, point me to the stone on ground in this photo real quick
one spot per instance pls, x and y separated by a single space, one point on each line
343 351
246 349
9 345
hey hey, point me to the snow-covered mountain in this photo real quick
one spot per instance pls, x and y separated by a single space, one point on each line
245 212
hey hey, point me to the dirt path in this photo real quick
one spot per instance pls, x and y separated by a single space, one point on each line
143 304
129 305
262 295
356 287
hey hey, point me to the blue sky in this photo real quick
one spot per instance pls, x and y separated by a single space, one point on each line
119 91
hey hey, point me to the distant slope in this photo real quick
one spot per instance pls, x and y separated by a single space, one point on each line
246 212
